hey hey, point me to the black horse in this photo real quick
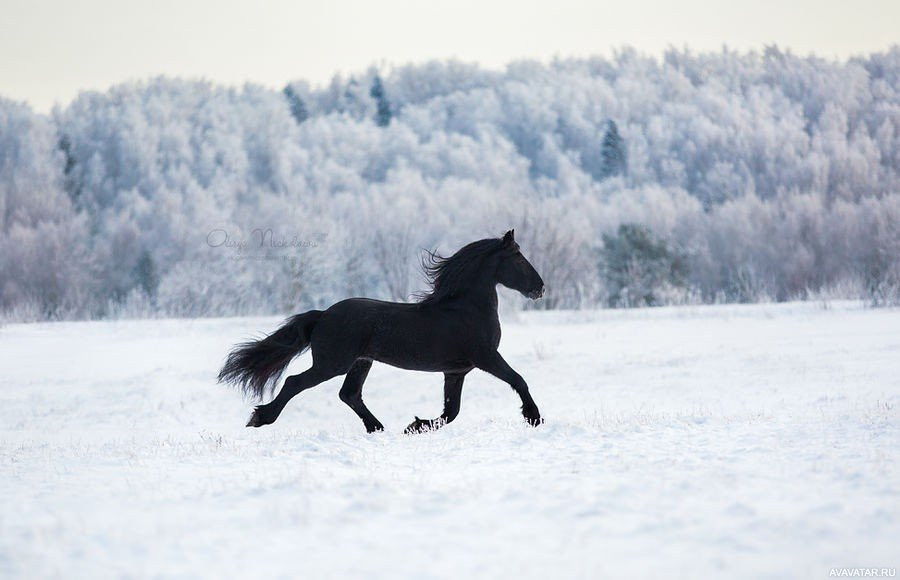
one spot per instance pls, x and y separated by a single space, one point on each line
452 330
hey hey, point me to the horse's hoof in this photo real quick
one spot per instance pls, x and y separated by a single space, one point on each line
535 421
257 419
374 428
417 426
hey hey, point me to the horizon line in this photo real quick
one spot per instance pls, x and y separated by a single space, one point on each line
384 65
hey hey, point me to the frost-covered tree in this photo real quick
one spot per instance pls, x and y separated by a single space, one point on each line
45 262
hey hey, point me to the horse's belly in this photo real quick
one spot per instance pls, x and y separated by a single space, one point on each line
433 366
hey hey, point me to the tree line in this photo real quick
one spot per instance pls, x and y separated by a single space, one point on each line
630 180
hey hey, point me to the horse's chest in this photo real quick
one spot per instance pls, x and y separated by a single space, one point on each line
494 335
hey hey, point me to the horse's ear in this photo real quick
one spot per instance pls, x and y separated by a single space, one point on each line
509 237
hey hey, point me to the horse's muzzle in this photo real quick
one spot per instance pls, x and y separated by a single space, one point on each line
535 294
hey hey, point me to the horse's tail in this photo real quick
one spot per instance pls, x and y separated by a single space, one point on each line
258 364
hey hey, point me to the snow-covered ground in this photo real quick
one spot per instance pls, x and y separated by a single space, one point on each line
733 441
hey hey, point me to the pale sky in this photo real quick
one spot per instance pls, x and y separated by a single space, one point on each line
52 49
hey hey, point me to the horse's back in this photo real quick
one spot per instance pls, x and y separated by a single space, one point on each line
366 307
354 322
400 334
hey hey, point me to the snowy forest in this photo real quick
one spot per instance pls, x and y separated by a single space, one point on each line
630 180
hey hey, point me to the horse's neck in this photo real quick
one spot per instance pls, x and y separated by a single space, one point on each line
483 297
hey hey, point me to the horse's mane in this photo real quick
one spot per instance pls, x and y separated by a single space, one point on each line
447 276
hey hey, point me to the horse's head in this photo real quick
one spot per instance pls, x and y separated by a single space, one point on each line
517 273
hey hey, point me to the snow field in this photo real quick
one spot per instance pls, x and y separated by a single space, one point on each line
734 441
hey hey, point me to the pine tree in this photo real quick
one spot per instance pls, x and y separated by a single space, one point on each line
639 267
383 115
70 181
65 145
298 107
145 273
612 152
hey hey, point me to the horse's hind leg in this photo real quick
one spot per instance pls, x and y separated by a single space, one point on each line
453 383
293 385
351 393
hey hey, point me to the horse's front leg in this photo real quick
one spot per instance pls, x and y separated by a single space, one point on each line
453 383
494 364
